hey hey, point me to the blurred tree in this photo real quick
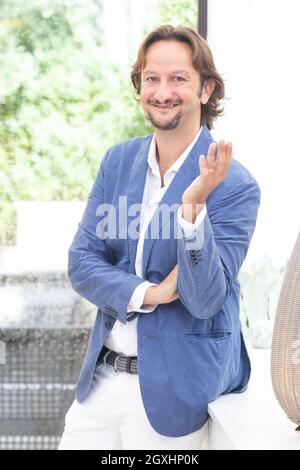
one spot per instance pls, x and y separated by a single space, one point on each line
179 12
54 103
62 104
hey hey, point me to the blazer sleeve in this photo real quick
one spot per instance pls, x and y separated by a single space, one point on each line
90 271
209 264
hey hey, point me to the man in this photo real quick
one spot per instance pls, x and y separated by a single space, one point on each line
167 337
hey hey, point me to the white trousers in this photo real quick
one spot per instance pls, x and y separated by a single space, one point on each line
113 418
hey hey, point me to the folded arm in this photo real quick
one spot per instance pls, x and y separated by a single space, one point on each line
209 261
90 269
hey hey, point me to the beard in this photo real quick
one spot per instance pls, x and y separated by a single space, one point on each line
171 123
165 126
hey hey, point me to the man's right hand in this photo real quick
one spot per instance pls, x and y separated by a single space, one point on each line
165 292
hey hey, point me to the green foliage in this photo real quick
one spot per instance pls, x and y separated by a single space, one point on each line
179 12
61 103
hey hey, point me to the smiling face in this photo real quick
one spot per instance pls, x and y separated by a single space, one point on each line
170 86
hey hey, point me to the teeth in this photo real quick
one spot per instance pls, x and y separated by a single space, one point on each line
171 106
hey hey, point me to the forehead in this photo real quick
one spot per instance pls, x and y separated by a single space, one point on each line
169 55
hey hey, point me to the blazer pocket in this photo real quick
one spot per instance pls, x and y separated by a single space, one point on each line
215 343
218 334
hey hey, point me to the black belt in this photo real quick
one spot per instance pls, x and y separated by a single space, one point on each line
119 362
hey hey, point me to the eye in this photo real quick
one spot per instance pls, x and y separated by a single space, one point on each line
151 79
177 78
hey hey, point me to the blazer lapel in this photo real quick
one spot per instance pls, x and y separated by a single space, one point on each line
135 196
184 177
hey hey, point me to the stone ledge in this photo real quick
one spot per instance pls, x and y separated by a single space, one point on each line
252 420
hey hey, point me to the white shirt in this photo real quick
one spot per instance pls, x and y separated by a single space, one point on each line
123 337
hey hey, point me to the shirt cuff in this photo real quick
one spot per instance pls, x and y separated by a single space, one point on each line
137 299
188 228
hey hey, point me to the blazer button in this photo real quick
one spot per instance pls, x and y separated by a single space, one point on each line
107 324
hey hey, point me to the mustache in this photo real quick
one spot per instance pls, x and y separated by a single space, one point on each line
168 102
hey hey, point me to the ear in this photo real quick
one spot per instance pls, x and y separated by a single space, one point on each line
207 90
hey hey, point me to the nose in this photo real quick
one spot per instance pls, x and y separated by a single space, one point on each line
163 92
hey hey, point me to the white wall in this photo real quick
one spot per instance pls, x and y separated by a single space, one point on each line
124 21
255 45
45 231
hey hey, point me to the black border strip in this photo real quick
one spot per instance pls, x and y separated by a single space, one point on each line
202 18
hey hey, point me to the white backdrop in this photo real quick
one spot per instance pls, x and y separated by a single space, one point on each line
255 45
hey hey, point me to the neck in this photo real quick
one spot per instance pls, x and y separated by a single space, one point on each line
171 144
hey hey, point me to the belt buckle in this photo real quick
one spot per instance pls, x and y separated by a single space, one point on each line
105 357
116 361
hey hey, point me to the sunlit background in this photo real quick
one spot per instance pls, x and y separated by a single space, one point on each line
65 97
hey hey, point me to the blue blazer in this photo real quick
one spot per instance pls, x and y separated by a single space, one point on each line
191 350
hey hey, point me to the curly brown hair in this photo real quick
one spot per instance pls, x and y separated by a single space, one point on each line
202 61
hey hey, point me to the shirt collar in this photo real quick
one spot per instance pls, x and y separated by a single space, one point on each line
153 164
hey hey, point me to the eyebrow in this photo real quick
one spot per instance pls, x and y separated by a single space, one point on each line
172 73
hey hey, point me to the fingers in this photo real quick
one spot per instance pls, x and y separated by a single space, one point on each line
226 156
173 273
204 169
220 169
216 164
211 160
228 152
